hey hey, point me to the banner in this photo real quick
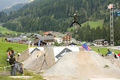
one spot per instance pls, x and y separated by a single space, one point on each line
116 12
39 43
86 47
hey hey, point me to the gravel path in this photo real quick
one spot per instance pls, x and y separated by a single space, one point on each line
4 72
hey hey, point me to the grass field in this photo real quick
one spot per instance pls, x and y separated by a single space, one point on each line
94 24
4 46
5 30
17 48
26 73
103 50
70 29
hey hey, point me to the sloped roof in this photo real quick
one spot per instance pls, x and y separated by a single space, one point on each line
46 33
98 40
58 34
14 39
45 38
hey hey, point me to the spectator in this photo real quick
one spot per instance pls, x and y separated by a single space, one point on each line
8 55
12 63
117 56
12 51
18 55
108 52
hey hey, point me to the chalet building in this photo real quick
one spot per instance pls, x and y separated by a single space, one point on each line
23 42
58 40
67 38
13 39
101 42
44 40
48 33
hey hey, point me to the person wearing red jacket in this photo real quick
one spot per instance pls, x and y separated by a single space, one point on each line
117 55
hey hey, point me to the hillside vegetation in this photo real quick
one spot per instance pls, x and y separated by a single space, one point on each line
4 30
94 24
55 15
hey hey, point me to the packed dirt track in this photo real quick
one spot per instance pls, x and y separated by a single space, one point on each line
83 65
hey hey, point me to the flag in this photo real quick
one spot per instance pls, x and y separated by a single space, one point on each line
116 12
110 6
39 43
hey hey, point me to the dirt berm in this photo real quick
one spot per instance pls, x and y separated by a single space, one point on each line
84 65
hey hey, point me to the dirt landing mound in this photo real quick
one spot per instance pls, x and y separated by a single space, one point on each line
82 66
40 60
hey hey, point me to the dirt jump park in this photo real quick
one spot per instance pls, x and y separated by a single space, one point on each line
69 63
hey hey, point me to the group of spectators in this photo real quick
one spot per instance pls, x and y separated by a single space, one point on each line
14 65
108 53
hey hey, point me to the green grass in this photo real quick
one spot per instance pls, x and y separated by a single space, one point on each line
26 73
17 48
103 50
4 46
94 24
70 29
5 30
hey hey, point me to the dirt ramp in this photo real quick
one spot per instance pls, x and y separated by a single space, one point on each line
40 60
82 66
32 59
24 55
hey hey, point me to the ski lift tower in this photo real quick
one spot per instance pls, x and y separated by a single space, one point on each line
111 7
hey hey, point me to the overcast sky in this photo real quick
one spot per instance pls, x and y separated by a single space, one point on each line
6 3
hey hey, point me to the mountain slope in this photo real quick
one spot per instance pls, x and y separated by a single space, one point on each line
4 30
54 14
94 24
6 3
13 8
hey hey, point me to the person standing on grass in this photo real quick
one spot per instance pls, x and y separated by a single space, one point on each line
12 63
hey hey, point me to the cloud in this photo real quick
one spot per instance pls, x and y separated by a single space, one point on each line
8 3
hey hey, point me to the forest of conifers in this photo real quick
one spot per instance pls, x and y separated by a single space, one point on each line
55 15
